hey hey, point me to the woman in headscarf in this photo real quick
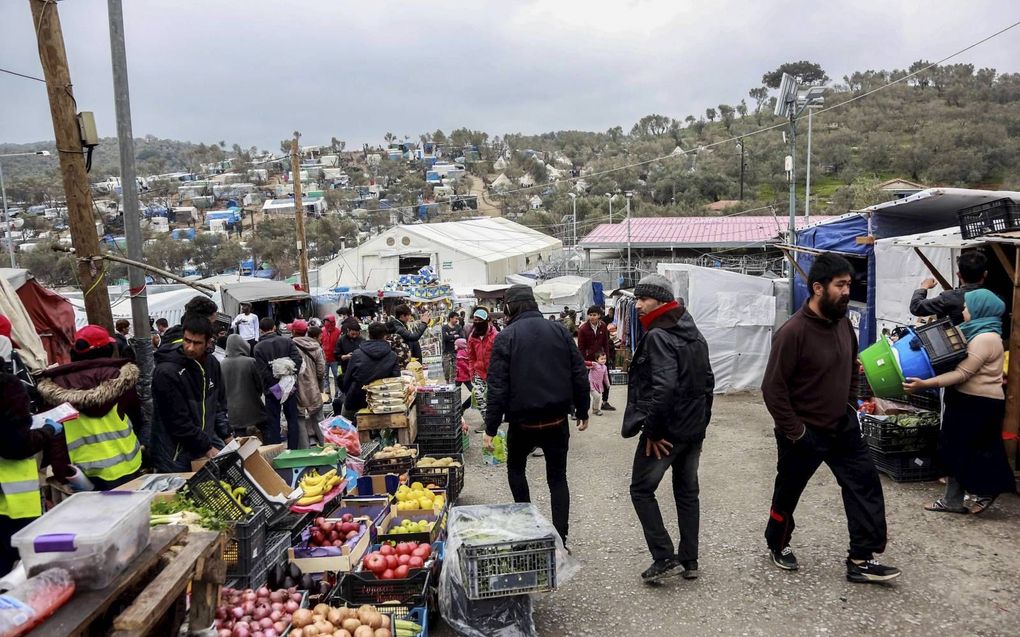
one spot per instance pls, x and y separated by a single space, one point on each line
970 442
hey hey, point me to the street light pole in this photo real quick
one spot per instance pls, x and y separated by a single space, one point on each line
611 197
807 175
629 195
740 142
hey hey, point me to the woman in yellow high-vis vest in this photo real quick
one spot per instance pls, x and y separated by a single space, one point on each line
102 441
20 499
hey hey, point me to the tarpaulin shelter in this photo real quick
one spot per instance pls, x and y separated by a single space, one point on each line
260 294
574 292
42 320
736 313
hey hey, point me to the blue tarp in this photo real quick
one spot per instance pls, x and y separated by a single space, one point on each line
840 236
597 294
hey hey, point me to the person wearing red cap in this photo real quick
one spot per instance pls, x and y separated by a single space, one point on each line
103 441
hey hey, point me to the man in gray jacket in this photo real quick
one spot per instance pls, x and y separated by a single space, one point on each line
243 386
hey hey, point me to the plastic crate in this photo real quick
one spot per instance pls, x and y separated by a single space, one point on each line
254 580
992 216
449 478
618 377
502 569
927 400
945 344
277 543
364 588
443 402
204 487
442 446
886 435
292 523
438 427
402 464
245 548
906 467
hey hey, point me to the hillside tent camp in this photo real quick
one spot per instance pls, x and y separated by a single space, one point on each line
464 253
574 292
736 313
42 321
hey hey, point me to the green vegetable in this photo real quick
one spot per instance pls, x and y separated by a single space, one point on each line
180 510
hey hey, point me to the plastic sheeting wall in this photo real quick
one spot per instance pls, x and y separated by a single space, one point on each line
736 314
898 271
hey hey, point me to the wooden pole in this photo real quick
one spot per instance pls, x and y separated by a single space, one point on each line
295 167
1011 425
92 279
946 285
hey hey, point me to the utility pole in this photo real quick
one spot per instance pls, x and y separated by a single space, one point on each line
629 195
792 238
740 142
142 341
52 55
295 168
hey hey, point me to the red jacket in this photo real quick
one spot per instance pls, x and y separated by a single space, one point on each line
592 341
463 366
330 335
479 352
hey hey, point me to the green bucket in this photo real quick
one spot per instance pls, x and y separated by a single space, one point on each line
882 370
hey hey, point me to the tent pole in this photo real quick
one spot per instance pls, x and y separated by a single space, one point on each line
1011 424
946 285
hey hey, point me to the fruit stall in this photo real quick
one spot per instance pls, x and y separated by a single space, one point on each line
351 539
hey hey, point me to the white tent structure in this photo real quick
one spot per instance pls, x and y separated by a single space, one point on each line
462 253
736 314
565 291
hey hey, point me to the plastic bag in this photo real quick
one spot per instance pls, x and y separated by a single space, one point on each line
475 526
340 431
497 455
283 389
29 604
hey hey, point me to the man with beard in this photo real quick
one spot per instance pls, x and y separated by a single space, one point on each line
810 389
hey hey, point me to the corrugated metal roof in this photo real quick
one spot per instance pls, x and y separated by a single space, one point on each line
665 232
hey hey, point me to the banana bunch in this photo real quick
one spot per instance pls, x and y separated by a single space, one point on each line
315 486
237 494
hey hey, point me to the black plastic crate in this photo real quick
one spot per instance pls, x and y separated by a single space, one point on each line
991 216
206 489
244 551
863 387
928 400
253 580
292 523
376 465
437 428
449 478
442 446
945 345
502 569
885 434
906 467
442 402
364 588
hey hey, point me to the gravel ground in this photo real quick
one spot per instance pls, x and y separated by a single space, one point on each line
961 575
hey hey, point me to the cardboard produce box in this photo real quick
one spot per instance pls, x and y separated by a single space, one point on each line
258 470
436 533
338 559
377 484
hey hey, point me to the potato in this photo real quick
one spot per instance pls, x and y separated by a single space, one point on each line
350 624
382 632
364 631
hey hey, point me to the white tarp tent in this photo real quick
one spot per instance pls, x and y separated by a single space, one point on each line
168 305
571 291
735 313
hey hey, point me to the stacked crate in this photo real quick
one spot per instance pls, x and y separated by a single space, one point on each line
439 418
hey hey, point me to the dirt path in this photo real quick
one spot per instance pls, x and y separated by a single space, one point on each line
961 575
476 187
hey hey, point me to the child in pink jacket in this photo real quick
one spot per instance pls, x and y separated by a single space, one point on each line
598 381
463 376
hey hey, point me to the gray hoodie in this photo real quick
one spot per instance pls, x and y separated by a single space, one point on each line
243 386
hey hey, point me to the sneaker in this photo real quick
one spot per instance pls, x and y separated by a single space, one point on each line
597 413
690 569
785 559
608 407
870 571
661 569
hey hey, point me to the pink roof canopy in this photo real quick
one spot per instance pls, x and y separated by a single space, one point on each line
693 232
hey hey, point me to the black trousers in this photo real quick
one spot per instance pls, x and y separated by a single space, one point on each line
8 527
554 441
847 456
647 473
289 409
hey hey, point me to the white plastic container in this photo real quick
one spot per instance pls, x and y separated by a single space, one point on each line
94 535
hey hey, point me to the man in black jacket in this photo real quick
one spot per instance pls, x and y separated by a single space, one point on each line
972 270
349 342
401 325
189 405
452 330
373 360
669 402
272 347
535 375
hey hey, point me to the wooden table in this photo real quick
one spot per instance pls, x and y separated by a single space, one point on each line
404 423
147 599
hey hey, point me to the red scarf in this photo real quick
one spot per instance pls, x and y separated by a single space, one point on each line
647 319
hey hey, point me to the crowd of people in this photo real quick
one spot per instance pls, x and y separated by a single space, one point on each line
540 377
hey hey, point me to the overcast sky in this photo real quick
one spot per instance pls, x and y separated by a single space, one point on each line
253 71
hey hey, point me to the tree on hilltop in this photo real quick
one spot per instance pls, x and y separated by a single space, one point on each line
805 72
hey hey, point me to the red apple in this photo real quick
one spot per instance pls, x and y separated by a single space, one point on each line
403 559
401 572
404 548
422 552
327 526
387 574
375 563
387 549
319 521
391 561
351 535
338 543
347 517
416 562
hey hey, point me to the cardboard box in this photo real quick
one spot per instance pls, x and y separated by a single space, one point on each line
258 470
437 532
162 496
342 559
380 484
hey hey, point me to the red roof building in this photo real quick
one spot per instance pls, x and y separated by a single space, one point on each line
693 232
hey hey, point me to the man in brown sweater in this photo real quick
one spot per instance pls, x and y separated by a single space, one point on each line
809 390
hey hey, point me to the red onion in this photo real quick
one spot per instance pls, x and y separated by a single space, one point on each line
254 626
292 606
241 631
276 596
260 612
263 592
250 596
277 605
276 614
248 607
279 627
223 632
237 612
269 632
297 597
265 622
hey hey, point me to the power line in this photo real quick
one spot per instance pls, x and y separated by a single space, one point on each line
27 77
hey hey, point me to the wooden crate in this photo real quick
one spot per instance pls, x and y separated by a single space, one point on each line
405 424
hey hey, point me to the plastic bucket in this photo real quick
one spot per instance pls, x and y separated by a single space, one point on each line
882 370
912 357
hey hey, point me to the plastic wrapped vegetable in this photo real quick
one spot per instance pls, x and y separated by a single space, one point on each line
339 431
29 604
